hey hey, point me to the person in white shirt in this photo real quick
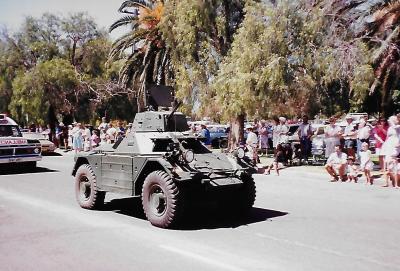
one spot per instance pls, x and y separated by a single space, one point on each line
391 150
103 127
350 136
87 137
305 133
336 164
111 133
280 132
252 143
333 133
363 134
366 164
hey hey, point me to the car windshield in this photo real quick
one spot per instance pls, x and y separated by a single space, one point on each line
217 130
293 129
9 130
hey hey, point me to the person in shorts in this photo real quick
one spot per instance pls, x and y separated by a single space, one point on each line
279 160
366 165
350 136
336 164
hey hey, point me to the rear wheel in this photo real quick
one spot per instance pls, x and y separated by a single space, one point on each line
161 199
86 190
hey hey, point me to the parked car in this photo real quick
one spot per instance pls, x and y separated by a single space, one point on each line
47 145
293 135
219 135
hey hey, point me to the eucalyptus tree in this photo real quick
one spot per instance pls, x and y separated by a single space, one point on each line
146 58
199 34
78 28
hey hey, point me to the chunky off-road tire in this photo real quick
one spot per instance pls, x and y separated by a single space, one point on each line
240 201
247 195
86 190
161 200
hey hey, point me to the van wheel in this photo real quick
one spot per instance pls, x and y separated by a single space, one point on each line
86 190
161 199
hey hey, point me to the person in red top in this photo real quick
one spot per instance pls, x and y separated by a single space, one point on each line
380 133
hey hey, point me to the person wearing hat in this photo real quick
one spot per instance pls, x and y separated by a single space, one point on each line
350 136
252 143
333 133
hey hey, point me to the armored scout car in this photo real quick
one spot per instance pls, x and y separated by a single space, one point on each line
165 166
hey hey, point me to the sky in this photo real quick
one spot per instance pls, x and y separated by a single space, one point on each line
12 12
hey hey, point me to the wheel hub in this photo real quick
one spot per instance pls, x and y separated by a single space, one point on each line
85 189
158 201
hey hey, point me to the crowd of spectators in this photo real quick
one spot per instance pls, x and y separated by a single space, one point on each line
347 147
79 137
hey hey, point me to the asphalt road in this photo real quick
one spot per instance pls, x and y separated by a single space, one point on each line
300 222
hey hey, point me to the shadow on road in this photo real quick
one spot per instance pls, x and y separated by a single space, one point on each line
196 218
16 170
212 219
126 206
52 154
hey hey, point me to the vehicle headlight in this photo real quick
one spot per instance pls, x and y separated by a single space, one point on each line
36 150
188 156
239 152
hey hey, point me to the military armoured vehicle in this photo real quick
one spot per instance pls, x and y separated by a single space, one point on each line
165 166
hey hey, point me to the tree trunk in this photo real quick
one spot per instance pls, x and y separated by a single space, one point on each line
73 53
236 134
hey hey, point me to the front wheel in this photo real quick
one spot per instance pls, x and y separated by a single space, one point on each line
247 195
161 199
86 191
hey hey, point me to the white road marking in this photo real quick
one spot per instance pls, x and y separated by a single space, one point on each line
205 259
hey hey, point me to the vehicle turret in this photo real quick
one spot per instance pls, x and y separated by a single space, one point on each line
165 121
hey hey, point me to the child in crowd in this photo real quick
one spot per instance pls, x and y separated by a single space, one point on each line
279 159
352 170
392 171
366 165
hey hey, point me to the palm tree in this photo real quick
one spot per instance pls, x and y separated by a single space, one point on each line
146 58
378 23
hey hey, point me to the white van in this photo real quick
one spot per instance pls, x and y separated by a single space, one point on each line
14 148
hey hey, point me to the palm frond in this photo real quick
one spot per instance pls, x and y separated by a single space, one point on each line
132 64
126 20
146 4
126 41
156 65
387 44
